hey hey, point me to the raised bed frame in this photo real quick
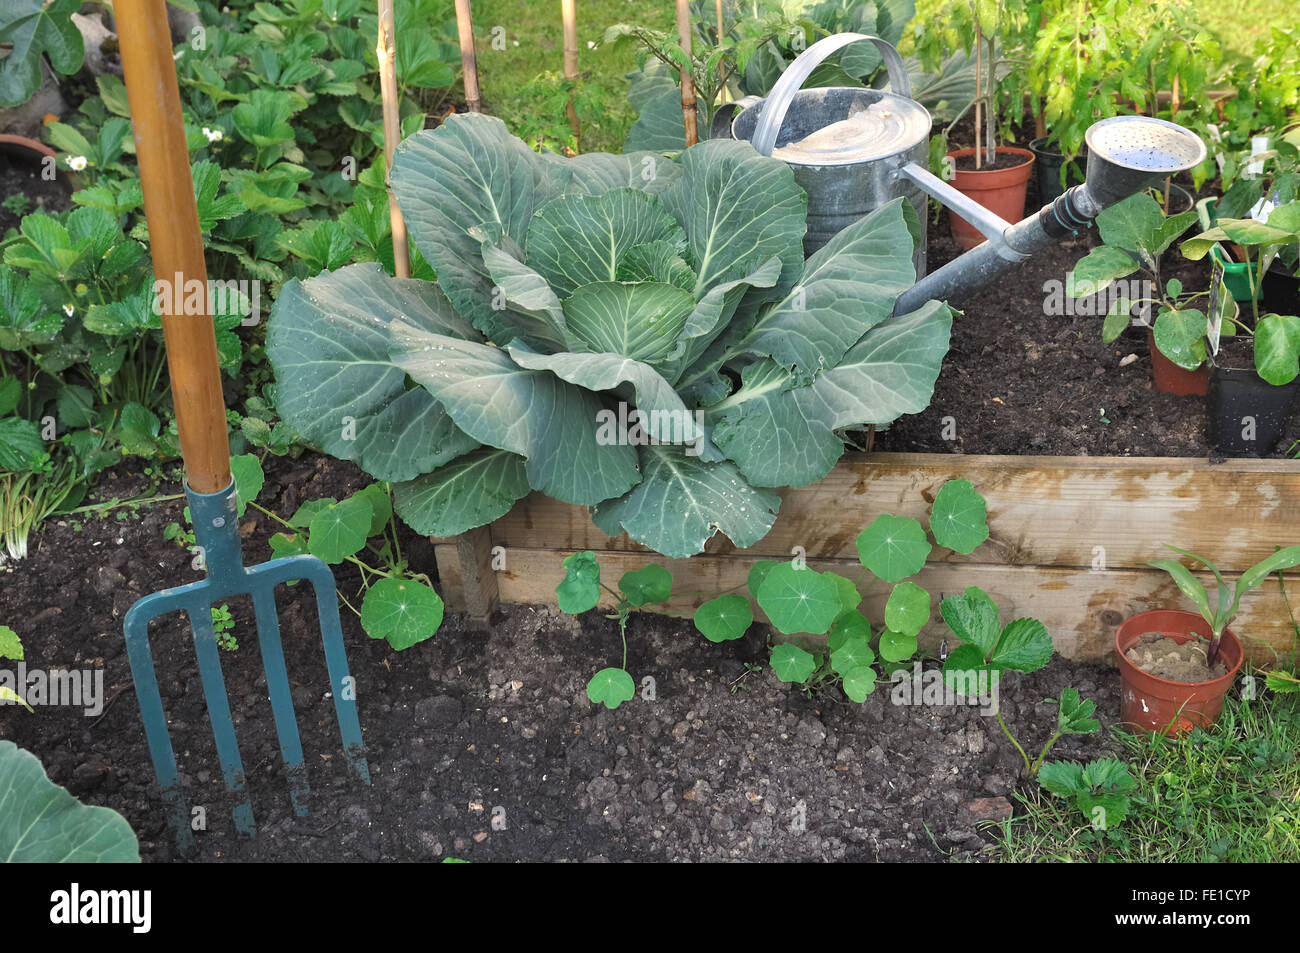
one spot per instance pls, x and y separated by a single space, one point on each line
1068 544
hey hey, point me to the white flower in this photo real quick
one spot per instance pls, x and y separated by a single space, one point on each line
591 45
76 163
516 42
214 135
68 309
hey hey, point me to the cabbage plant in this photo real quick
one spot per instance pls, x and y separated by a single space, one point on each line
626 332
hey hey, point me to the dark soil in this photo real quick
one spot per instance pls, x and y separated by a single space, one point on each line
1158 655
1028 373
1002 160
722 764
18 176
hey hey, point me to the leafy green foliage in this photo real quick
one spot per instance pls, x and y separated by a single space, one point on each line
958 518
37 29
1022 645
799 599
792 664
652 583
893 547
1099 789
402 611
724 618
683 269
611 687
580 589
43 823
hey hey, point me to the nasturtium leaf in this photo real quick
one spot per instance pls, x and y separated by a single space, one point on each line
647 585
852 653
908 609
10 645
580 589
758 572
724 618
792 664
381 507
247 471
847 590
896 646
339 531
43 823
301 517
893 547
288 544
402 611
848 625
611 687
799 600
958 518
859 682
1074 717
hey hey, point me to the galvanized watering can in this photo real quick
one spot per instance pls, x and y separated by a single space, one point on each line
854 149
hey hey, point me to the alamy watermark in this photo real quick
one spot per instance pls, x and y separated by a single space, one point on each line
936 688
75 688
190 296
1081 297
630 426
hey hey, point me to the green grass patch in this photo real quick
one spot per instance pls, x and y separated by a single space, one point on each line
1231 793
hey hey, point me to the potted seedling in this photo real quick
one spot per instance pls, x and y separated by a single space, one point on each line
1255 357
1135 233
1176 665
994 176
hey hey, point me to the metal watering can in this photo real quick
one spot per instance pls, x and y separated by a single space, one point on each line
853 150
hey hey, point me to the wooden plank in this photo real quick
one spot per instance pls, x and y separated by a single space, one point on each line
1043 511
465 572
1080 608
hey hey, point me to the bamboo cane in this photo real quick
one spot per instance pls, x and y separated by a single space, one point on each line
688 83
468 58
722 69
175 241
387 55
979 124
569 15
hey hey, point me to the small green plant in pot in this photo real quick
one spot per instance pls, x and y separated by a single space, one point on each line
1255 357
1175 665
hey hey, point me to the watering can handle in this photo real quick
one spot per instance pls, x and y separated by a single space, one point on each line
782 94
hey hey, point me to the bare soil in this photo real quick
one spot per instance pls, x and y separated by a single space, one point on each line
1157 654
18 176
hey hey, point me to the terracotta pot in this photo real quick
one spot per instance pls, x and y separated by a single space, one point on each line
1001 191
1151 705
1172 379
33 151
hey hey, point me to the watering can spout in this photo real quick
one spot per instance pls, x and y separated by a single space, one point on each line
1126 154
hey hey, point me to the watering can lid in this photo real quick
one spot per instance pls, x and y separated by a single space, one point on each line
893 123
886 127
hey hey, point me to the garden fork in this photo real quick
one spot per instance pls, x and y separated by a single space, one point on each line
177 249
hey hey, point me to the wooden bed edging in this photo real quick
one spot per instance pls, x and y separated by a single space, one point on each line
1068 544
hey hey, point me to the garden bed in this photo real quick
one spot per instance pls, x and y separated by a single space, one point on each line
1069 539
714 769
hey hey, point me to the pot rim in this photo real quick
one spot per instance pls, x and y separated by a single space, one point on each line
1012 150
32 145
1126 667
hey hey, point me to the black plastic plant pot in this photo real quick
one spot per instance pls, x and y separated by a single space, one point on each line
1048 160
1247 415
1280 291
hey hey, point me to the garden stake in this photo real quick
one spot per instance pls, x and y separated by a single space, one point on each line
468 58
177 248
386 53
690 119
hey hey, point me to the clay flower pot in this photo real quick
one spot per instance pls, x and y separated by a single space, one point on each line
1172 379
1152 705
1001 191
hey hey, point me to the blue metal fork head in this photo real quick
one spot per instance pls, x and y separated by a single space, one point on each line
216 531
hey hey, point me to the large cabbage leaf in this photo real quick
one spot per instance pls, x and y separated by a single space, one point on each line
633 334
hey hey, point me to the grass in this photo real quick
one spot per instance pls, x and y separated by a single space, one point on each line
522 84
1240 24
1231 793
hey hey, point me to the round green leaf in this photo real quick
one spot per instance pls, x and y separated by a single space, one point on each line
958 517
580 589
611 687
403 611
649 584
338 531
799 600
758 572
908 609
895 646
851 654
724 618
11 647
1277 348
849 625
859 682
381 506
792 664
1180 336
847 591
893 547
247 471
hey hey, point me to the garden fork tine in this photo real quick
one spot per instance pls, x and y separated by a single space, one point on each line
177 249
